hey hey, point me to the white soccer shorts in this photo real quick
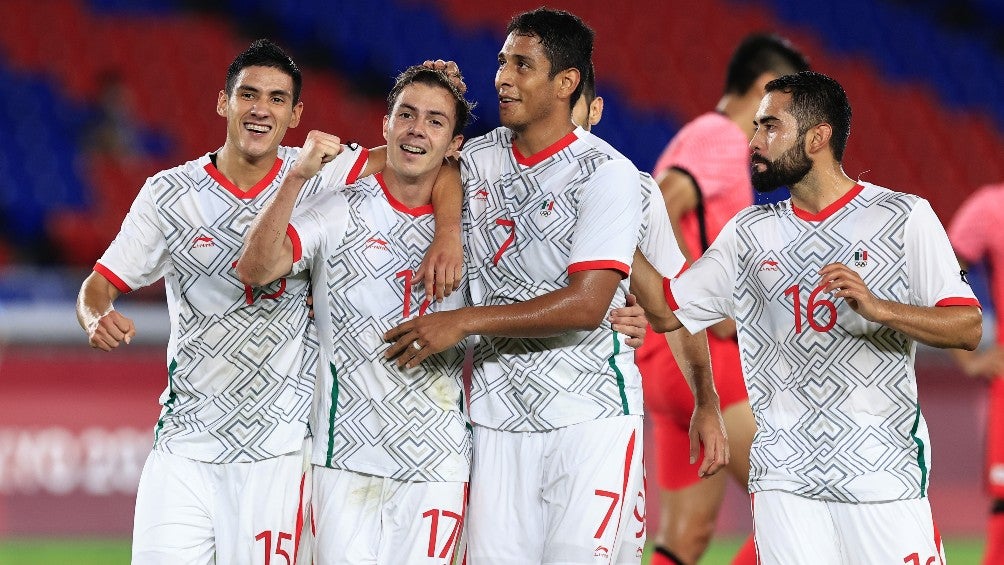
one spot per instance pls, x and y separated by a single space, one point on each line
362 518
792 529
571 495
192 513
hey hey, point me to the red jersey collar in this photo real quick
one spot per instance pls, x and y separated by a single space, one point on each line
398 205
233 189
829 210
544 153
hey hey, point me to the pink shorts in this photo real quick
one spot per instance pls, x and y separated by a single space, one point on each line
669 404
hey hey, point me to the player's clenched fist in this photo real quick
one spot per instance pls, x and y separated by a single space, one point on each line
108 331
318 149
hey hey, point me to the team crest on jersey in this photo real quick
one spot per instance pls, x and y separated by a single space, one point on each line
547 208
376 243
861 258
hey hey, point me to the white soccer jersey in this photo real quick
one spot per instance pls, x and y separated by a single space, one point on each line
531 222
240 367
834 395
657 240
363 247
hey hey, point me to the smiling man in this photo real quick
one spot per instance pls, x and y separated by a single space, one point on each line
553 223
392 446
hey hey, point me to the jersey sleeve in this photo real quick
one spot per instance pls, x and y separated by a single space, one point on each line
659 244
606 231
935 276
318 224
968 232
138 255
346 167
703 294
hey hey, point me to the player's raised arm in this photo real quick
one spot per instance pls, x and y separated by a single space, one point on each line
268 250
443 264
648 285
105 327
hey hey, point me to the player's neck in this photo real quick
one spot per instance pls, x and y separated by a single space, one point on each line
413 192
741 109
244 172
541 134
820 188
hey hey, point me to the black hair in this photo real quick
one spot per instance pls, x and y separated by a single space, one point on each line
567 41
815 99
264 53
758 54
425 75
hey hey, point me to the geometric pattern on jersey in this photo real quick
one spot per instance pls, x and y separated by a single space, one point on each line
836 403
241 360
370 416
529 221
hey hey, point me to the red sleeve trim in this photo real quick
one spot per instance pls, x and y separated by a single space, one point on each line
668 291
112 278
295 239
357 167
624 270
957 301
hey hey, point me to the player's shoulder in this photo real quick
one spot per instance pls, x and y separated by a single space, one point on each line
712 125
496 140
873 194
186 174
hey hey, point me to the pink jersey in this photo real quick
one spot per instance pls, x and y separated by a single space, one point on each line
974 240
715 153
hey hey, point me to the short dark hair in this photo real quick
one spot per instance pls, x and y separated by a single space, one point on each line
758 54
567 41
425 75
815 99
264 53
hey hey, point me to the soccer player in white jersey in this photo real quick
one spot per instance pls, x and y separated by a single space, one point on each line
392 446
224 481
556 398
831 290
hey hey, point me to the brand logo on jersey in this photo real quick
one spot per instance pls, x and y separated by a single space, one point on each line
203 241
769 265
639 552
962 275
546 208
375 243
481 194
601 551
861 258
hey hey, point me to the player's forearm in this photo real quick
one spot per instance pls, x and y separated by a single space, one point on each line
577 307
694 359
447 201
267 254
647 286
95 299
946 327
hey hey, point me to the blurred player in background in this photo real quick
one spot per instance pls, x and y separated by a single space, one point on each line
831 290
399 435
704 174
556 398
975 241
240 359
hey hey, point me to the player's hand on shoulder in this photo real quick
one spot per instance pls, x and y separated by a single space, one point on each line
110 330
318 149
452 71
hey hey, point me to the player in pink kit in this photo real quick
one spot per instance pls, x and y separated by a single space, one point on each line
831 290
705 180
975 242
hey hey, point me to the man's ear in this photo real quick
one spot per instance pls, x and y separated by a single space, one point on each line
596 111
818 138
221 104
568 80
386 127
297 112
